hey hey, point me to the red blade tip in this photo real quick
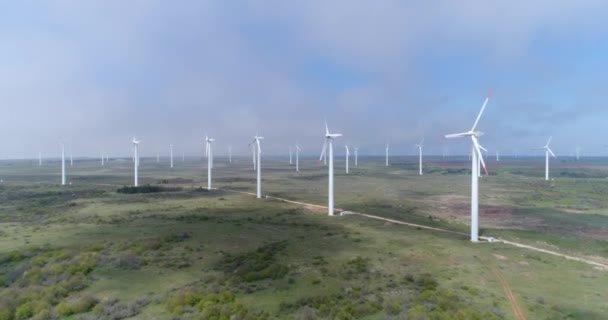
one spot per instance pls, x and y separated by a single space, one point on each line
490 93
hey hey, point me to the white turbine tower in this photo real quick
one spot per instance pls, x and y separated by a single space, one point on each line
171 154
547 152
229 154
298 157
209 154
157 157
62 164
135 162
420 145
386 151
356 157
102 158
497 157
329 145
476 154
253 153
347 156
578 153
257 151
71 158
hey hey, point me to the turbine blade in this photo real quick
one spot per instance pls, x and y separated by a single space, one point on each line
457 135
326 127
549 141
483 107
323 150
551 152
478 151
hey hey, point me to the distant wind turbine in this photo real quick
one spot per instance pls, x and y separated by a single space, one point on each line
329 145
476 153
135 162
71 158
298 157
347 156
290 162
102 158
62 164
229 154
209 154
578 153
420 145
171 154
258 162
547 152
386 151
356 157
497 157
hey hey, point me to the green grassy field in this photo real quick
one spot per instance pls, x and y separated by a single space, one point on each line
86 251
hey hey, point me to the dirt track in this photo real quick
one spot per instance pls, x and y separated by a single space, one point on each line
597 265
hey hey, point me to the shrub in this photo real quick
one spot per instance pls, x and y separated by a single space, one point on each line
63 309
24 311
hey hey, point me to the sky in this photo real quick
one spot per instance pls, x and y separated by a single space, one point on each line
93 74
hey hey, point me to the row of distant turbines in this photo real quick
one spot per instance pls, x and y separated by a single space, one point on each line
327 156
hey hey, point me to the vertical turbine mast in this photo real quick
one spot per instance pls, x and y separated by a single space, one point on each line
420 145
135 162
329 145
257 150
209 154
171 154
63 164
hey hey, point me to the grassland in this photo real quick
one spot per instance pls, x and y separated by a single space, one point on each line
87 251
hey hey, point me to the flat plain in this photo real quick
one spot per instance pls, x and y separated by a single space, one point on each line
174 250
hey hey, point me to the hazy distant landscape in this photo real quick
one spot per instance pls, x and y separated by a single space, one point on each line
95 250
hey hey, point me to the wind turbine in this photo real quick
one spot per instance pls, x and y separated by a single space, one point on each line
171 154
497 157
476 154
297 157
578 152
420 145
229 154
290 162
547 152
347 156
102 158
386 151
329 145
257 151
136 162
62 164
157 157
71 158
356 157
209 154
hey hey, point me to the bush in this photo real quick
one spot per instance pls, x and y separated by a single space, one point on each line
256 265
24 311
145 189
63 309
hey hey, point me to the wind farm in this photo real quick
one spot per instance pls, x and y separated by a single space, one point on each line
339 161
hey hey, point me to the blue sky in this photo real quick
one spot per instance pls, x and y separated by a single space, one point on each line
95 73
